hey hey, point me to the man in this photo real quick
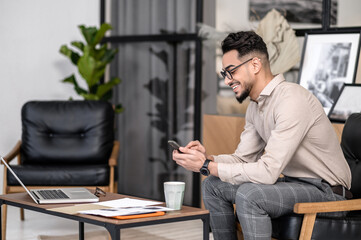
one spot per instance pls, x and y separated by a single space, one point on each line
286 132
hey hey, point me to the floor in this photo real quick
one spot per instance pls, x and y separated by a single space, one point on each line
39 226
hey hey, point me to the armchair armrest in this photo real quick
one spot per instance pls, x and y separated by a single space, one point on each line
333 206
13 153
311 209
115 153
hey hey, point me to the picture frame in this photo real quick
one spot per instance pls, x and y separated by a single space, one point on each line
348 102
329 60
295 11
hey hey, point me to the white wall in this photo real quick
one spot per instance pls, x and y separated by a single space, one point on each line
31 67
349 13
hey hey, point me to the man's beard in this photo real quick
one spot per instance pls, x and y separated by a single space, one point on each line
244 95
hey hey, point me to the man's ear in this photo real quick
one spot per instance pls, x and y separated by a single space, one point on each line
256 65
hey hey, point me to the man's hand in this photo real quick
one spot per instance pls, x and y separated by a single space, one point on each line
192 157
196 145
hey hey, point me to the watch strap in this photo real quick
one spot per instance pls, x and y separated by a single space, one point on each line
206 163
204 169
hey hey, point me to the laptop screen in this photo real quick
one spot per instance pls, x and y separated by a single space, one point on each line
18 179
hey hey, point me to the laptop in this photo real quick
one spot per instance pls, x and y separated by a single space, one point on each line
57 195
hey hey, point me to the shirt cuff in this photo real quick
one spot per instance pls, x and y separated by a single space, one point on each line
232 173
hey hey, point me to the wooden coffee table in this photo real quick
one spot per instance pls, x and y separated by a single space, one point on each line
23 200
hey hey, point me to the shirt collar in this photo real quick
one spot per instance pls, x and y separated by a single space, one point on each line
271 86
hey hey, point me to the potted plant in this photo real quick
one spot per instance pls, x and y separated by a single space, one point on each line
91 58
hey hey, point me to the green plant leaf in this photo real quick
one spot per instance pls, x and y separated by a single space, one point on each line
106 87
90 69
118 108
79 45
101 32
73 56
89 34
89 96
99 53
109 55
72 80
108 95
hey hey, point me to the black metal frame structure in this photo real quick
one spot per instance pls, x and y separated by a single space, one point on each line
113 228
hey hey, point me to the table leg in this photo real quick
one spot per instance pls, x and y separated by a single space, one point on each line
81 231
205 227
113 231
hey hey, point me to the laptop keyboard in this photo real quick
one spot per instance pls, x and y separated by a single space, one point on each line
52 194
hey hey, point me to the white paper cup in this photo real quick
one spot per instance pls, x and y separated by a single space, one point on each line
174 193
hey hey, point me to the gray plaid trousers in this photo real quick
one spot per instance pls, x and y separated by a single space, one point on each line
256 204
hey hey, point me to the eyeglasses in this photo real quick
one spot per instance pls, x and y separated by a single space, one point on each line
99 192
228 73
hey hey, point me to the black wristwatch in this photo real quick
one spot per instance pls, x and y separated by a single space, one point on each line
204 169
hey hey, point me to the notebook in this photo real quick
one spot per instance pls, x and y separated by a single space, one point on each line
57 195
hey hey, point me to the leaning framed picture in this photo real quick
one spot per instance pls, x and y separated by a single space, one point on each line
329 60
348 102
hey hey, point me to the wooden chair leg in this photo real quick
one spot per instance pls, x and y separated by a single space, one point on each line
22 217
307 226
4 216
111 180
115 190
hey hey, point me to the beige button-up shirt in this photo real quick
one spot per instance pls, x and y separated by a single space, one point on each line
286 132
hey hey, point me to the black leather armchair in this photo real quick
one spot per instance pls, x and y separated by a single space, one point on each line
64 143
305 224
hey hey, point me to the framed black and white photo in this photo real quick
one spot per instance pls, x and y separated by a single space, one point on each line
348 102
329 60
295 11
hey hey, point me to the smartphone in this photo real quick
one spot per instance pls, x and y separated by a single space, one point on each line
174 145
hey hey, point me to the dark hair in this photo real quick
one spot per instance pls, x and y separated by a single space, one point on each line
245 43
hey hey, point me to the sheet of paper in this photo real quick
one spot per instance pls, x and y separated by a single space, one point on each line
119 203
112 212
127 202
74 209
